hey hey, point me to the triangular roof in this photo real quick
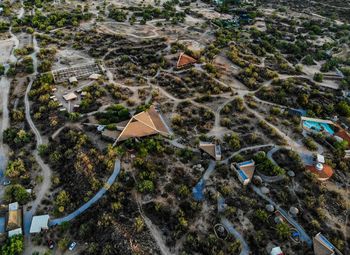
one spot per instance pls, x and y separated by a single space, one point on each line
248 169
143 124
185 60
322 246
208 148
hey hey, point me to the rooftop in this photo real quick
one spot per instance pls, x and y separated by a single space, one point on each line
323 174
143 124
185 60
70 96
39 223
322 246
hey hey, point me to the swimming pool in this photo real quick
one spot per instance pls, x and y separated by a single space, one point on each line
318 126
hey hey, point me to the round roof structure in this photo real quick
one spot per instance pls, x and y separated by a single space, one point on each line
293 210
264 190
270 208
291 173
319 166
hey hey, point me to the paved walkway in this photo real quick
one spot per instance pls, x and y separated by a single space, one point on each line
303 235
93 200
230 228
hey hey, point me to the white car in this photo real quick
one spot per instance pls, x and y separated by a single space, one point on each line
72 246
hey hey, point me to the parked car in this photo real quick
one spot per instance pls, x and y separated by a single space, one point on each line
72 246
6 183
51 244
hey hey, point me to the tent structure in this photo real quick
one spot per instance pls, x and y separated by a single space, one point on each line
145 123
185 60
212 149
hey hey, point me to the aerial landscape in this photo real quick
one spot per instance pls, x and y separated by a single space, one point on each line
174 127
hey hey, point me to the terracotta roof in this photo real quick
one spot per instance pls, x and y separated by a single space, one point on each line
344 135
143 124
248 170
185 60
208 148
324 174
322 246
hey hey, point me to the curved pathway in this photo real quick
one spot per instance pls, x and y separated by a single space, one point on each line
230 228
303 235
93 200
46 171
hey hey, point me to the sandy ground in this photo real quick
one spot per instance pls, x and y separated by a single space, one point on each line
67 58
5 50
192 45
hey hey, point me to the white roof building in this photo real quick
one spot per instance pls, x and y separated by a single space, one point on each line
17 231
39 223
13 206
73 79
70 96
320 159
276 251
94 76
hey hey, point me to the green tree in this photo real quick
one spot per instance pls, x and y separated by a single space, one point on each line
283 230
261 215
62 200
17 193
13 246
233 141
146 186
318 77
343 108
15 169
63 244
139 224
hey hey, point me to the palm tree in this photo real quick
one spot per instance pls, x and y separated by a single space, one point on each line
283 230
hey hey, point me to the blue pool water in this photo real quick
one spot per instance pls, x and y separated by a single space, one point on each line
243 175
246 163
2 225
318 126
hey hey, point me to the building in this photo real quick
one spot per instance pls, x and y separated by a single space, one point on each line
70 96
320 159
185 61
73 80
145 123
94 76
322 171
322 246
14 220
276 251
347 154
343 135
39 223
212 149
297 112
244 170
